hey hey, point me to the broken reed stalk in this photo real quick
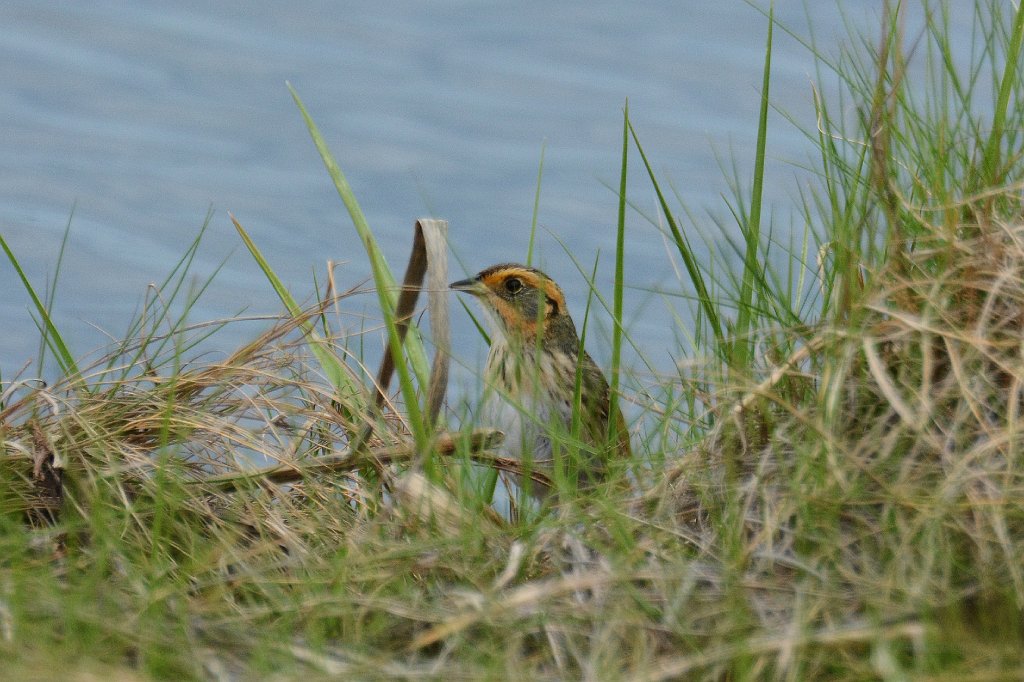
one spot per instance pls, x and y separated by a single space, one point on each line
429 258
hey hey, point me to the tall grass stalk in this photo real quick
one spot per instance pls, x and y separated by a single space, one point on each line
992 174
707 305
745 315
50 335
619 286
350 392
536 207
386 291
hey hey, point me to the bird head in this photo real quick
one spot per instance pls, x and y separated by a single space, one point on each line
521 301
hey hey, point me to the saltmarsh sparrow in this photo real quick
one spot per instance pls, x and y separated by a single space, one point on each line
531 378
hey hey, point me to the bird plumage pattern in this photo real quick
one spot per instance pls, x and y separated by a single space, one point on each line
531 373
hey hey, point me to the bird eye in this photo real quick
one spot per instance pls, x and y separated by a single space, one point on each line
513 285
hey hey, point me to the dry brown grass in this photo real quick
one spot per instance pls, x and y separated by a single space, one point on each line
872 528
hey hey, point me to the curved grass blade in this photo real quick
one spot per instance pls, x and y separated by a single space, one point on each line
617 290
992 156
382 275
742 347
53 337
706 302
51 294
350 392
536 207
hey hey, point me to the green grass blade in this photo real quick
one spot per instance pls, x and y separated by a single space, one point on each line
51 295
992 155
169 291
387 293
620 249
536 207
382 275
53 338
743 345
350 392
481 329
706 303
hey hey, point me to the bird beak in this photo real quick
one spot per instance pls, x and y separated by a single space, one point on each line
470 286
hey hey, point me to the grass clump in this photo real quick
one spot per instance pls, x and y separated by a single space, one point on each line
830 489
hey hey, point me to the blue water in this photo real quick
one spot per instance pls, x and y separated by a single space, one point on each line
140 117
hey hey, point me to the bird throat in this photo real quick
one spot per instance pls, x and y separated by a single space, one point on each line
527 372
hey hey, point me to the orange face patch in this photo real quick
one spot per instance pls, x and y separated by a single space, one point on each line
555 300
513 319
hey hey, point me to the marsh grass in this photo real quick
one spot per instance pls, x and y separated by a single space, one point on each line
831 487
